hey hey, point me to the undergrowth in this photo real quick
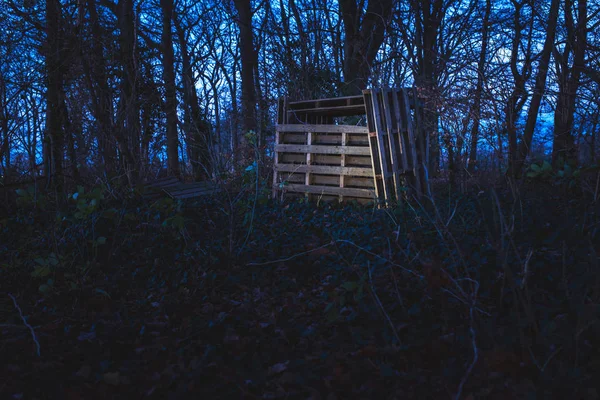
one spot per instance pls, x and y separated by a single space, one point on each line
490 294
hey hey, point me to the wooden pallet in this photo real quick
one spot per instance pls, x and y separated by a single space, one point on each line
331 162
174 188
397 143
381 162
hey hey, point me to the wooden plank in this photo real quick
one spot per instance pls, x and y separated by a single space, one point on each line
164 182
300 128
343 162
393 142
326 100
190 195
364 193
340 111
282 106
307 176
199 191
374 161
324 169
350 150
400 126
383 154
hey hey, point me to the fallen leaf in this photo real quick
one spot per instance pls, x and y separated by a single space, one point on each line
278 368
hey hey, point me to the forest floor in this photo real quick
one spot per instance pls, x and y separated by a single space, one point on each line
491 294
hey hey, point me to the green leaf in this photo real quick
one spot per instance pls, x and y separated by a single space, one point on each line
41 272
101 240
44 288
535 167
546 166
102 292
350 286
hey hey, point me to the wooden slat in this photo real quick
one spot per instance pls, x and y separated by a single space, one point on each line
324 169
352 192
300 128
400 126
164 182
393 142
350 150
373 147
383 154
326 100
340 111
192 194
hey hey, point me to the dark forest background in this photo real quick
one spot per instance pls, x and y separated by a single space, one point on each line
125 88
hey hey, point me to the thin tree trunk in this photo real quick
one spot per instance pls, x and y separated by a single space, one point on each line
538 91
168 64
54 126
364 35
248 59
129 111
479 88
564 148
197 130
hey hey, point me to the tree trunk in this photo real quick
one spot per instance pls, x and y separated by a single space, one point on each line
428 17
54 128
519 94
128 128
248 58
168 64
479 88
97 80
538 91
364 35
564 149
197 131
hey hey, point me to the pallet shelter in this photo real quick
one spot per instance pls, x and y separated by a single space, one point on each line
318 156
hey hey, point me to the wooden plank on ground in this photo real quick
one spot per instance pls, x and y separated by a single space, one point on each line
159 183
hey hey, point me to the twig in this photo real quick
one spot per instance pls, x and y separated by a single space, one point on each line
473 344
37 344
291 257
332 243
389 320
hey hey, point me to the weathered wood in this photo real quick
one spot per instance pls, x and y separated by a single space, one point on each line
344 99
393 142
350 150
381 147
373 146
324 169
341 111
321 128
159 183
315 157
352 192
